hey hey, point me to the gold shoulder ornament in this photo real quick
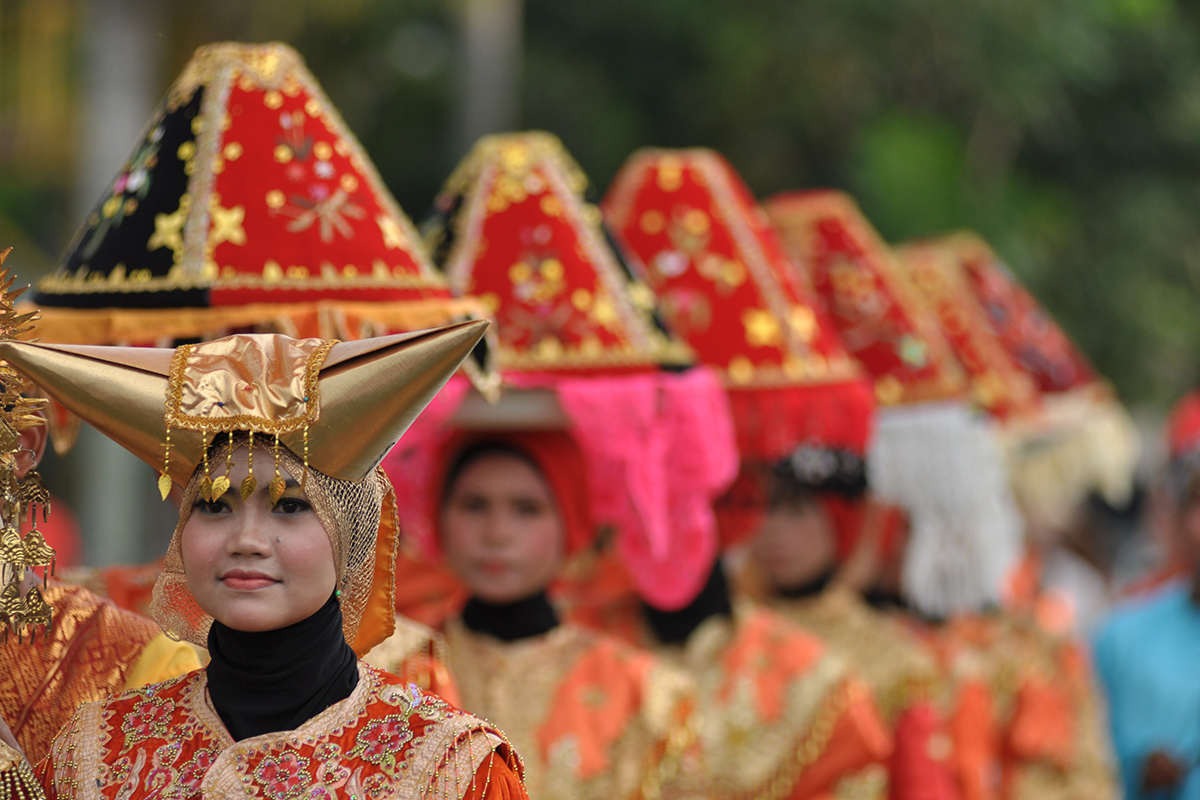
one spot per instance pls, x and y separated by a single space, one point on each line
20 496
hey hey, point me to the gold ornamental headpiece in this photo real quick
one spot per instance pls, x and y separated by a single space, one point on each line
19 496
339 405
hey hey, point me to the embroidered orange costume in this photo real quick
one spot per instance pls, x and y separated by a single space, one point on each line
388 739
919 348
1070 438
593 716
780 713
327 412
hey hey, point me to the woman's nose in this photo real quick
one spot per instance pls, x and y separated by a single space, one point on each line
247 535
496 529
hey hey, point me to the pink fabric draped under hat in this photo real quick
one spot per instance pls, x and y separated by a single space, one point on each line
650 474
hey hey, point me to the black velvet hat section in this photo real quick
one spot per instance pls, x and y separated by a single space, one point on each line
119 234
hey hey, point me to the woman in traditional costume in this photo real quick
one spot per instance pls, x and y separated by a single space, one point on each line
594 716
247 164
284 579
510 496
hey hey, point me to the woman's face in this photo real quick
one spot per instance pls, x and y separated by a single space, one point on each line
501 531
254 565
796 546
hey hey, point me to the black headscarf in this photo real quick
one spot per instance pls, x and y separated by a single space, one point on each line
509 622
675 627
277 680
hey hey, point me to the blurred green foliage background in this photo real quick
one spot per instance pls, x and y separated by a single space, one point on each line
1066 131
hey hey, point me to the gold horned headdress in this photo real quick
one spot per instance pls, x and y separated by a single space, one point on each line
24 495
337 407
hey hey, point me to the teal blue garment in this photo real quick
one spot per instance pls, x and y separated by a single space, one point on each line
1148 659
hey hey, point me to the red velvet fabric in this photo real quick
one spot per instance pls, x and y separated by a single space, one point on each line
699 239
1030 334
878 313
999 383
307 219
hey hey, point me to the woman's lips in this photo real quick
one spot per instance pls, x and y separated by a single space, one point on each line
493 568
242 580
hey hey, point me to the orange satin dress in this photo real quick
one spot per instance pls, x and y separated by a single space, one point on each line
1026 722
778 715
93 649
903 675
388 739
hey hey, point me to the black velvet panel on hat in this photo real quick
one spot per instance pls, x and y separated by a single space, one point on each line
117 242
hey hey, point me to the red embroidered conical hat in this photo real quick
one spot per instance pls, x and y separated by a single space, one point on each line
882 322
247 206
998 383
1031 336
580 350
247 188
931 455
1081 439
692 228
525 242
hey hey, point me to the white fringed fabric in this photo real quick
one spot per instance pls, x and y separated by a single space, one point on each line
944 465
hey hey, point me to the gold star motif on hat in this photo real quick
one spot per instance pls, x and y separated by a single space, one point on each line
168 229
227 224
762 329
393 235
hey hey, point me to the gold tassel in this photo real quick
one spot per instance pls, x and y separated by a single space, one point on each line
304 479
249 484
277 483
164 479
206 481
220 485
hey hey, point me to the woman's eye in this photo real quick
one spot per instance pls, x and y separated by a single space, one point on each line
215 507
529 508
475 505
292 505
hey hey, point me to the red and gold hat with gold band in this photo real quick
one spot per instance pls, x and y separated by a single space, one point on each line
1029 334
998 382
515 231
580 352
1079 438
882 322
247 188
247 206
694 230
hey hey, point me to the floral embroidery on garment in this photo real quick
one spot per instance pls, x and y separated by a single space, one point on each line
148 719
388 739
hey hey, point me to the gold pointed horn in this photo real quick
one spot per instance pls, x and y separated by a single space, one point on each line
373 389
120 391
370 391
